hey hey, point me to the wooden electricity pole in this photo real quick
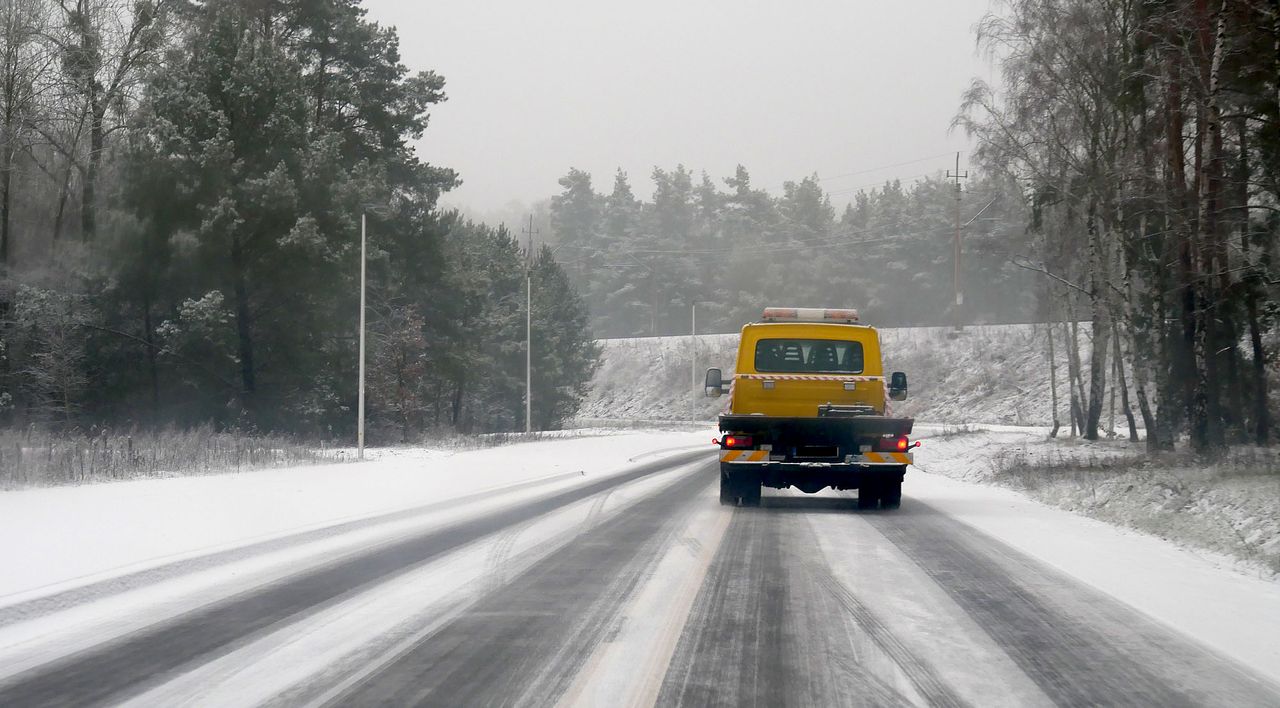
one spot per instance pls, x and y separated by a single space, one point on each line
957 176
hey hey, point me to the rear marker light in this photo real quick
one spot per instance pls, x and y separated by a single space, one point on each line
737 441
898 443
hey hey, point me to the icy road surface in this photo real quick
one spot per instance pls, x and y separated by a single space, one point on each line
603 571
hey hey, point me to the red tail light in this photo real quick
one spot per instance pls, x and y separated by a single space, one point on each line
737 441
898 443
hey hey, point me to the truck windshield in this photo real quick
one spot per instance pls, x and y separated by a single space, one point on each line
808 356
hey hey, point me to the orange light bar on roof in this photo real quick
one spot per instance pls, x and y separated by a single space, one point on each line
809 314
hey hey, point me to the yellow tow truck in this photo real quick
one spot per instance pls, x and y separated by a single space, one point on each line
809 408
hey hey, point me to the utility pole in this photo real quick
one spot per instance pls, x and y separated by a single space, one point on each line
957 176
528 330
360 418
693 330
653 305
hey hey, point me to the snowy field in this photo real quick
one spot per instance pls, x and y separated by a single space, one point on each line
115 561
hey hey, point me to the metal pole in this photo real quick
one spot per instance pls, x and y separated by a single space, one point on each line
693 341
528 334
528 354
360 421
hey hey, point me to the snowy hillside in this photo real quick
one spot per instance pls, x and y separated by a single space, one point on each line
652 378
993 374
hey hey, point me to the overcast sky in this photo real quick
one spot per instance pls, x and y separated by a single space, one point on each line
787 88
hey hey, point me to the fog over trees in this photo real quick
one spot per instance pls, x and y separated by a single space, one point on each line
733 249
1127 175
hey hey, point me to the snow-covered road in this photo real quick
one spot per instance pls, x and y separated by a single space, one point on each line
602 571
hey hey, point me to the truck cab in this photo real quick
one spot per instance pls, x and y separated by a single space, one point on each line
809 407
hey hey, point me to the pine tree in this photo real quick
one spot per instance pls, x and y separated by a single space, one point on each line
565 354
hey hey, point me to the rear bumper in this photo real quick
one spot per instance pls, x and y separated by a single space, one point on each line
853 463
832 429
809 477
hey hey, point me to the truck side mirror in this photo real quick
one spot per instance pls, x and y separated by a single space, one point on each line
898 386
715 383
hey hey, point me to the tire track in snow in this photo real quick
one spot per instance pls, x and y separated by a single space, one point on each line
932 689
729 639
137 661
1080 646
525 643
766 631
499 555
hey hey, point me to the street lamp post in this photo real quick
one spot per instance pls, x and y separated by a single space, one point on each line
528 350
360 404
528 329
693 341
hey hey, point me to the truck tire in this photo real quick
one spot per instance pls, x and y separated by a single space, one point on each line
891 495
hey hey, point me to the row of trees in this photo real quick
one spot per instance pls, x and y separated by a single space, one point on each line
732 249
219 155
1146 134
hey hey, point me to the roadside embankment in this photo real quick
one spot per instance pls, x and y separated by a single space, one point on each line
994 374
1229 508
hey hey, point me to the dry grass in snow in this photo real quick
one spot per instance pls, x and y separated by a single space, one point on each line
35 458
1229 507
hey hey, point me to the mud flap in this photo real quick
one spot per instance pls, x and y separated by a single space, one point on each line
739 485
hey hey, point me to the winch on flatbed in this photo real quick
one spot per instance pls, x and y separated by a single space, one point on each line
809 408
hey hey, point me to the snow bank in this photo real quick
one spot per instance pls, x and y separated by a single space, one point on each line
994 374
652 378
1228 511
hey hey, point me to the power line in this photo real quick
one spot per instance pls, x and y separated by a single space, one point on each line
878 183
884 167
869 170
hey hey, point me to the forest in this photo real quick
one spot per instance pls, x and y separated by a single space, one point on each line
182 186
732 249
1146 138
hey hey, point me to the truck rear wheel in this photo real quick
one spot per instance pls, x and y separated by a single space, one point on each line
880 495
891 495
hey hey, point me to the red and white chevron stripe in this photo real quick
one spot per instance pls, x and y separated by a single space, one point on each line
807 377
